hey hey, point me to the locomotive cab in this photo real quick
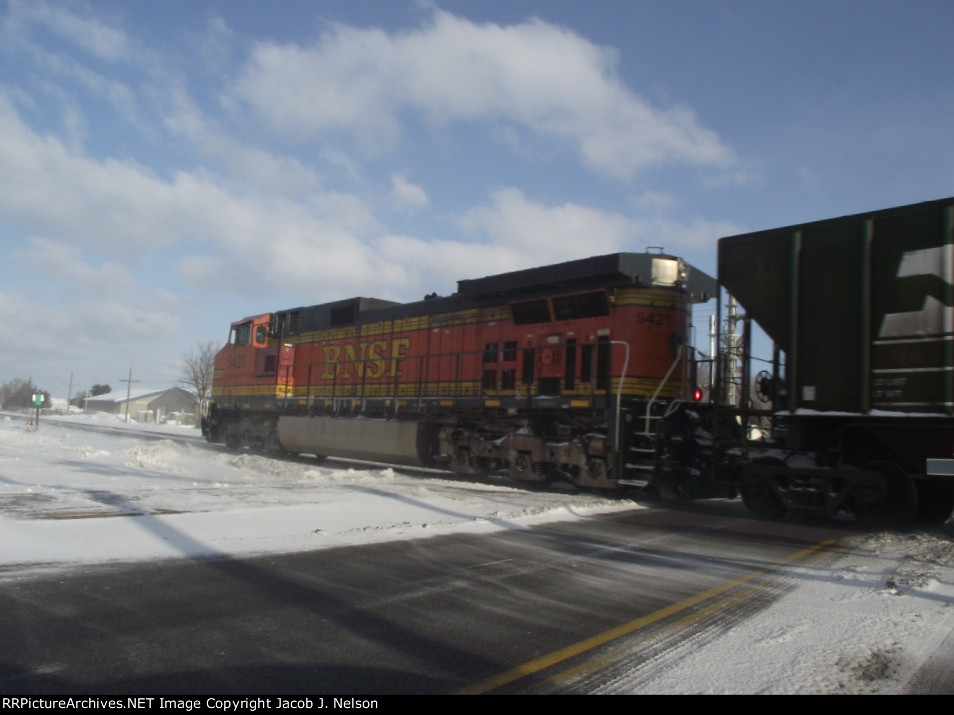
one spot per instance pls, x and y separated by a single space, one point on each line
251 366
250 331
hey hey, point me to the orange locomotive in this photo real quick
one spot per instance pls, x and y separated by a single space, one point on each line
562 371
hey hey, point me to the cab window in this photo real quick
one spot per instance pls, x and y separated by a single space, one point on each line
241 334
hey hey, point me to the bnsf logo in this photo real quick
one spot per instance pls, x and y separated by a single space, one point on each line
930 273
372 359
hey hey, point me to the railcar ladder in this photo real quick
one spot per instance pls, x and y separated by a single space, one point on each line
639 462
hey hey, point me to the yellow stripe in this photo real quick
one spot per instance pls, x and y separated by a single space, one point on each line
649 297
252 391
559 656
644 386
638 387
607 658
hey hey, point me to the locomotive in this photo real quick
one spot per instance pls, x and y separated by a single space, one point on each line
559 372
582 372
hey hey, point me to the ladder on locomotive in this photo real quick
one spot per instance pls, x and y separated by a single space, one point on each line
641 456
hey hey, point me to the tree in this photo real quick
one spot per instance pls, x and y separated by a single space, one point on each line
19 393
80 399
197 368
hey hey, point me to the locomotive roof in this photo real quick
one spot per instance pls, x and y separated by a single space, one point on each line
609 270
615 269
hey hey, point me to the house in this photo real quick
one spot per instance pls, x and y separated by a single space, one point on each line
145 405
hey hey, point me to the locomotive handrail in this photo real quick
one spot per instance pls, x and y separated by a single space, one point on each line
662 383
619 389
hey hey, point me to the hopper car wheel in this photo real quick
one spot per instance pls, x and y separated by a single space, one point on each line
758 495
763 386
935 503
886 500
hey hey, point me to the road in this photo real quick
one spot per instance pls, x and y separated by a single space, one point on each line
561 607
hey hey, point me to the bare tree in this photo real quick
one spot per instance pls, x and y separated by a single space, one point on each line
19 393
197 367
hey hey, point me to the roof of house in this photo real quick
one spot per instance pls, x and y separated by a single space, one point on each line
120 396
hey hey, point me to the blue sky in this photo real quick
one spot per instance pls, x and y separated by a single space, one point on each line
169 167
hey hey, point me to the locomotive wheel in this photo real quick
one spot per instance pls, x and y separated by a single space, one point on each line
463 463
522 470
935 503
521 466
757 493
233 440
885 500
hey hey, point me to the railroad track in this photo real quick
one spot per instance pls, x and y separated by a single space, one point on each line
144 433
198 440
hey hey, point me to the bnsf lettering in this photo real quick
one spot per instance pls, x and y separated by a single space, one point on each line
372 359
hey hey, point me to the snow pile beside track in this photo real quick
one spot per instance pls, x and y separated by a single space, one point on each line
61 488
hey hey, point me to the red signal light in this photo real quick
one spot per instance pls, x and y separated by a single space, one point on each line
697 395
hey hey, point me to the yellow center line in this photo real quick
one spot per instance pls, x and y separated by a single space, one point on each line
548 661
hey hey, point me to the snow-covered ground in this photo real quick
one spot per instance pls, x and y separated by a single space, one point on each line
864 623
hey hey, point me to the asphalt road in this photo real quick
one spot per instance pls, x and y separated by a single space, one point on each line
550 609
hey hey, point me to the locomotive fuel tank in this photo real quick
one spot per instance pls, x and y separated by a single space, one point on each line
392 441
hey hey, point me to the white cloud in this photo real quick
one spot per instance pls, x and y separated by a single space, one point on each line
123 209
512 232
319 244
559 232
537 75
52 189
410 267
195 204
690 237
406 195
654 201
242 164
99 38
77 313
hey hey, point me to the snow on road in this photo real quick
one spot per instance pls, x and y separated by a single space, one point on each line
877 618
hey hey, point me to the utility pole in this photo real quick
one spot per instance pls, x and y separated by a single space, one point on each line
129 381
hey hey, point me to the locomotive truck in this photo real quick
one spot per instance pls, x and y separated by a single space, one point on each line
582 372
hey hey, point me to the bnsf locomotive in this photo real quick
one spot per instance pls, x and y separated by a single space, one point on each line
581 372
560 372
